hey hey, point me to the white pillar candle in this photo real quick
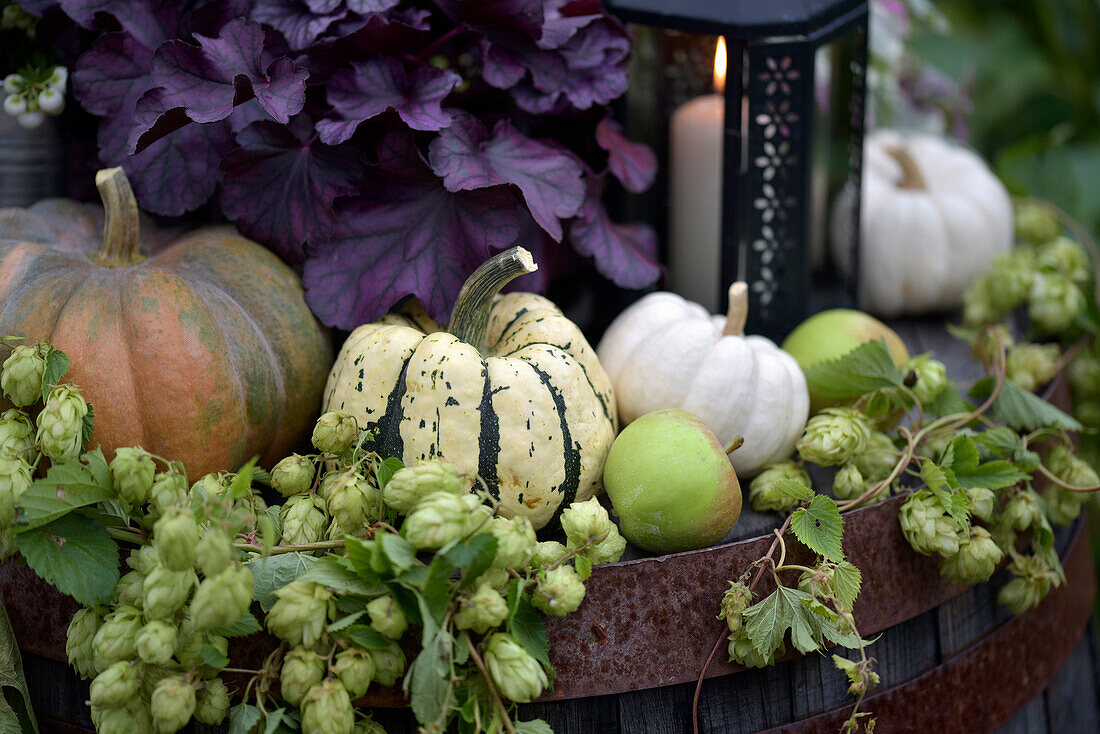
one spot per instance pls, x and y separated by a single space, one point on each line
695 193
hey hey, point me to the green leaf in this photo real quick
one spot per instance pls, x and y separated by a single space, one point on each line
330 571
57 364
475 554
528 629
794 489
65 488
806 625
1000 441
75 554
961 456
846 582
583 565
87 425
400 552
996 474
242 718
17 715
436 592
98 467
386 469
246 625
273 573
953 498
534 726
213 657
409 601
361 556
820 527
768 620
367 638
428 683
866 368
1021 410
274 720
241 486
345 622
947 401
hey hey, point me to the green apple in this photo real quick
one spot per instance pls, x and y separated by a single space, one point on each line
832 334
671 483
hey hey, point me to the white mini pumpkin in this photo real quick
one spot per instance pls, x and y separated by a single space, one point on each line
667 352
932 217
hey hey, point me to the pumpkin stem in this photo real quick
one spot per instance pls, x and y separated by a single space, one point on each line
736 443
470 316
738 312
911 177
121 223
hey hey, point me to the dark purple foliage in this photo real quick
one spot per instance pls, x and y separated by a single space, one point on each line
389 146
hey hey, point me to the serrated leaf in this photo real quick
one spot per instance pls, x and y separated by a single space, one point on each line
953 498
767 621
57 364
17 715
961 455
583 565
846 582
408 599
242 718
367 638
213 657
999 441
267 534
528 629
400 552
66 487
330 571
273 573
1024 411
246 625
75 554
820 527
436 592
794 489
361 557
996 474
866 368
98 467
475 554
241 486
535 726
947 401
806 626
428 682
386 469
345 622
274 721
87 425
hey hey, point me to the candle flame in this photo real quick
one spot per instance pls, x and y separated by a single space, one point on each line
720 66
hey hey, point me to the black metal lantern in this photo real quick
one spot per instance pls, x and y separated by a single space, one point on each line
748 176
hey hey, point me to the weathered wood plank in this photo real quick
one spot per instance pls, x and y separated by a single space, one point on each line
656 711
596 715
745 702
1071 698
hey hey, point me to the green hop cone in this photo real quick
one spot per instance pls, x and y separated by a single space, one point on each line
1032 365
303 519
165 591
116 685
1065 257
978 304
1062 506
175 536
301 612
547 553
132 718
172 704
976 560
353 501
389 664
129 590
516 542
558 592
987 346
132 470
608 550
931 377
439 518
15 479
479 518
221 600
21 377
982 502
926 525
764 492
1009 280
736 600
114 640
1034 578
1023 511
156 642
834 436
16 434
143 559
169 489
293 475
386 617
214 553
848 482
409 485
482 610
369 726
212 485
516 675
1083 372
212 703
189 649
354 668
78 641
327 710
1055 302
335 432
585 523
61 424
1035 224
744 653
1071 469
302 669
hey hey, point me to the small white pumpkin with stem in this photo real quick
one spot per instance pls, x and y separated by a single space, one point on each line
667 352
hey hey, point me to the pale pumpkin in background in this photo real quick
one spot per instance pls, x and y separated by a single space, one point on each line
932 217
512 392
667 352
196 345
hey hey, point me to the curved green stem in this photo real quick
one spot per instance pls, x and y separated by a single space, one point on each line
471 312
121 221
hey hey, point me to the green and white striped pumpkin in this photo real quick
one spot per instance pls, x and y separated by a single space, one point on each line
512 392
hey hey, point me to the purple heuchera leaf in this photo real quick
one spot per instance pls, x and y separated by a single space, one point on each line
414 237
150 22
634 164
364 7
549 178
624 253
298 23
369 88
522 15
280 187
378 35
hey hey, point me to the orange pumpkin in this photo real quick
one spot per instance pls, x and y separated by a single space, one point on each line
196 345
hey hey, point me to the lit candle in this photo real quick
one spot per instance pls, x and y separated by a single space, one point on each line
695 192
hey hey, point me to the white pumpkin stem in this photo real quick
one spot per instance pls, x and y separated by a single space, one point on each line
738 312
471 312
736 443
911 177
121 222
